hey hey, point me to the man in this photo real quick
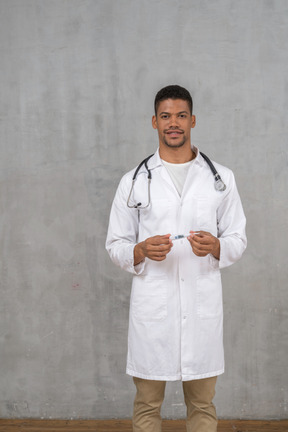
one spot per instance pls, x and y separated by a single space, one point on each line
176 319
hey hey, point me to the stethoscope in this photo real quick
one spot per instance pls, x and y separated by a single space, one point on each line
218 182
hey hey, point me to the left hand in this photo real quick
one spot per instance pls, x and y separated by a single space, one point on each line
203 243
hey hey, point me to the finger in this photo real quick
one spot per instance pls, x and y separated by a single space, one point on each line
199 251
166 247
195 239
158 240
202 238
201 247
194 234
152 250
202 241
205 233
160 248
200 233
158 257
200 254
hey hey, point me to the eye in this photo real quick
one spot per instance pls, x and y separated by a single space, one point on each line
182 115
164 116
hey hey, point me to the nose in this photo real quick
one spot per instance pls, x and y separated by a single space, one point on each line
173 121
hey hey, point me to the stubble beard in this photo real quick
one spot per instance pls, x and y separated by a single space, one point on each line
180 144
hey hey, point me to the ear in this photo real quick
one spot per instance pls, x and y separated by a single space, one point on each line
193 121
154 122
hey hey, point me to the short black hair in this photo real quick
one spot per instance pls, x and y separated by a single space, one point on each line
173 92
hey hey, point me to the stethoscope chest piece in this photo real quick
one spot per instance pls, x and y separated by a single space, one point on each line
219 184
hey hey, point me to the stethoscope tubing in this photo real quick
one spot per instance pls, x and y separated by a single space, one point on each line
219 184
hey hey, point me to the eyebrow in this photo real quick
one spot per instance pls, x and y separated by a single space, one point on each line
180 112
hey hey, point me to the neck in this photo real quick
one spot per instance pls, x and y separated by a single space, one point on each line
176 155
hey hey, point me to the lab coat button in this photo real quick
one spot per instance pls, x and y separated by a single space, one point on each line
182 279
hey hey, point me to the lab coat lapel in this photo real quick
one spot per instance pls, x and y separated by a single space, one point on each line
193 174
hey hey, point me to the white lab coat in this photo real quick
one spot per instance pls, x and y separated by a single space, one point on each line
176 316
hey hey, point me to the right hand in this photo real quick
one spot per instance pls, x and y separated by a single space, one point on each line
155 248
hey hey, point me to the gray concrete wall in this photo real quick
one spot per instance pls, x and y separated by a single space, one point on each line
77 83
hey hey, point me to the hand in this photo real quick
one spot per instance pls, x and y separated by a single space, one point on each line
204 243
155 248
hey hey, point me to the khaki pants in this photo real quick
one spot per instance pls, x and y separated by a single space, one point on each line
198 395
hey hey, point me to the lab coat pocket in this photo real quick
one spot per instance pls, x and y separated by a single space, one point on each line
209 295
149 298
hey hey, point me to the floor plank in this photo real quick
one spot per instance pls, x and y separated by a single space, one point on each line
28 425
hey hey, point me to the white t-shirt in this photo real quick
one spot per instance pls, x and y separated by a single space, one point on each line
178 173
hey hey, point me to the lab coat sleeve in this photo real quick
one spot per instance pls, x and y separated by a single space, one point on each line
123 231
231 226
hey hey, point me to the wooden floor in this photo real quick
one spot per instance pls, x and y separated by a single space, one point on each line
7 425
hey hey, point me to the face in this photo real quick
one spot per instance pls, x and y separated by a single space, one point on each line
174 122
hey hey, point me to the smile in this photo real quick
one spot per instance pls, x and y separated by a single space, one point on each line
174 133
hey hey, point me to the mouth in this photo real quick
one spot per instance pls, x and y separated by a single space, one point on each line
174 133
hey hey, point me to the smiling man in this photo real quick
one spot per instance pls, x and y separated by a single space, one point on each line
174 123
174 235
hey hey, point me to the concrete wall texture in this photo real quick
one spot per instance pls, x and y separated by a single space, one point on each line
78 79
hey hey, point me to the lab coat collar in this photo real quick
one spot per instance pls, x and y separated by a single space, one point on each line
155 161
198 159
